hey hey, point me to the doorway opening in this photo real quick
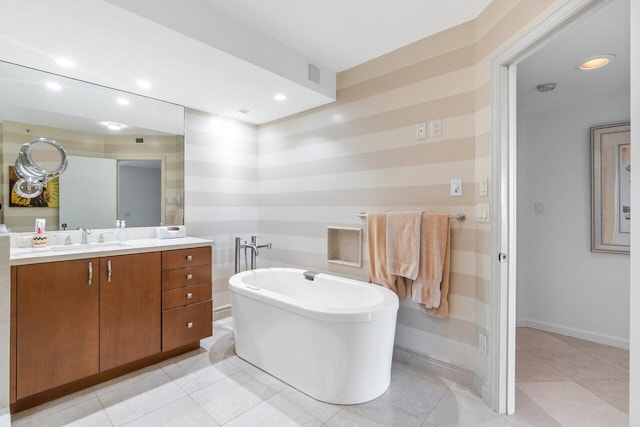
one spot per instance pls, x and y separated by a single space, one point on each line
508 210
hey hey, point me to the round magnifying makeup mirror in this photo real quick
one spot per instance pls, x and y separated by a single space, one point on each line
39 161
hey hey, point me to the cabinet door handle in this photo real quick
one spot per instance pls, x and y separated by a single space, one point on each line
189 295
189 325
189 257
109 271
189 276
90 272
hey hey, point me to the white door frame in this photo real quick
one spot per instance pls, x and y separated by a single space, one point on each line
503 198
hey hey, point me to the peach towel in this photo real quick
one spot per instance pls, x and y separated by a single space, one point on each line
432 285
403 243
377 242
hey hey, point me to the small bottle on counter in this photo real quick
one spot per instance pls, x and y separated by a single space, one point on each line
124 231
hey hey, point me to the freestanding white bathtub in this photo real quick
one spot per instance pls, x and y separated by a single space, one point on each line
331 337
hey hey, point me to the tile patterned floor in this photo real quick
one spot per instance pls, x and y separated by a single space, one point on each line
213 387
570 382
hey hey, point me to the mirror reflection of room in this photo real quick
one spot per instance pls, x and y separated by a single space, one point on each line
143 182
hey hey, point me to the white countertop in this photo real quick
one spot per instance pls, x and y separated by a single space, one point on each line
22 256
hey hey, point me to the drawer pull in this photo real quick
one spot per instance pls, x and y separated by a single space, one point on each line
189 257
189 325
109 271
90 272
189 276
189 295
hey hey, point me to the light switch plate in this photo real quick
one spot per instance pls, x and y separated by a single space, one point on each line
435 128
456 187
421 131
484 186
482 213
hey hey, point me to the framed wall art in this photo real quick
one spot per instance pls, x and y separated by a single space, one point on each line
611 188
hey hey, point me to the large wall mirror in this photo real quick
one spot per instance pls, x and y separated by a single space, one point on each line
125 153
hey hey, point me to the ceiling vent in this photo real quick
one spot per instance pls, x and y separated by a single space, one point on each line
314 73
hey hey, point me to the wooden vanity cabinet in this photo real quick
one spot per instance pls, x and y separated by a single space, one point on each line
77 323
187 311
129 308
57 328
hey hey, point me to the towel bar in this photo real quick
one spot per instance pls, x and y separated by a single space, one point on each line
459 217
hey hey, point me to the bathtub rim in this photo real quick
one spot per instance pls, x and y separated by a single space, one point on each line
387 307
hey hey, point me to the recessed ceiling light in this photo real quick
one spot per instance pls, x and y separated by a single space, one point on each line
64 62
546 87
597 62
53 86
243 111
279 97
113 126
143 84
122 101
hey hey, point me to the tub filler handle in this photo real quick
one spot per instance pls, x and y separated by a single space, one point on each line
310 275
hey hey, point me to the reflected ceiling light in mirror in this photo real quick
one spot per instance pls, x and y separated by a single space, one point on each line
64 62
122 101
279 97
144 84
113 126
53 86
597 61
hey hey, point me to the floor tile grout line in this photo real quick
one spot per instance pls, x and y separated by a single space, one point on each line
203 409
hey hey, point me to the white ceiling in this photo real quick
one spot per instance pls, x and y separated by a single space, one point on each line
219 56
605 30
340 34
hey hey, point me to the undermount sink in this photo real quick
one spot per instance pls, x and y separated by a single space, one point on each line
90 246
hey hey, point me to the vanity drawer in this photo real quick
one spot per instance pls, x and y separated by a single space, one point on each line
185 325
188 295
188 276
180 258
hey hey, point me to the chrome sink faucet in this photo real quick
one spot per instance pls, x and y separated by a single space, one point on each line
85 234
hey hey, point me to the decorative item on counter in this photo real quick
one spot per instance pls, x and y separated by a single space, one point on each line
171 232
40 236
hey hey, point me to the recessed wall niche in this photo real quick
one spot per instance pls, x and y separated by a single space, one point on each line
344 246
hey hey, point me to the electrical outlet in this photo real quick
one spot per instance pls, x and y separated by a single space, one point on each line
456 187
539 208
421 131
482 343
435 128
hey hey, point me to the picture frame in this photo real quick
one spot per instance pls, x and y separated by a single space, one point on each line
611 188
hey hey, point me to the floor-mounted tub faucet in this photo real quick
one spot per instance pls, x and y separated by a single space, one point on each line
255 251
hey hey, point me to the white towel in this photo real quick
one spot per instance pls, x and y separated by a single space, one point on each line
403 243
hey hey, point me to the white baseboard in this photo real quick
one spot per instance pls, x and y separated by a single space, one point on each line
222 312
437 367
5 419
576 333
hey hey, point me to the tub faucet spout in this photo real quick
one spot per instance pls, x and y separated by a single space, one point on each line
310 275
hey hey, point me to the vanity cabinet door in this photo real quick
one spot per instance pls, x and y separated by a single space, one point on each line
130 307
57 339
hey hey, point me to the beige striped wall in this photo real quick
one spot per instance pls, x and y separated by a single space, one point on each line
221 197
75 143
321 167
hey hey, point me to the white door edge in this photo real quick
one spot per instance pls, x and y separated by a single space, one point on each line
503 197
